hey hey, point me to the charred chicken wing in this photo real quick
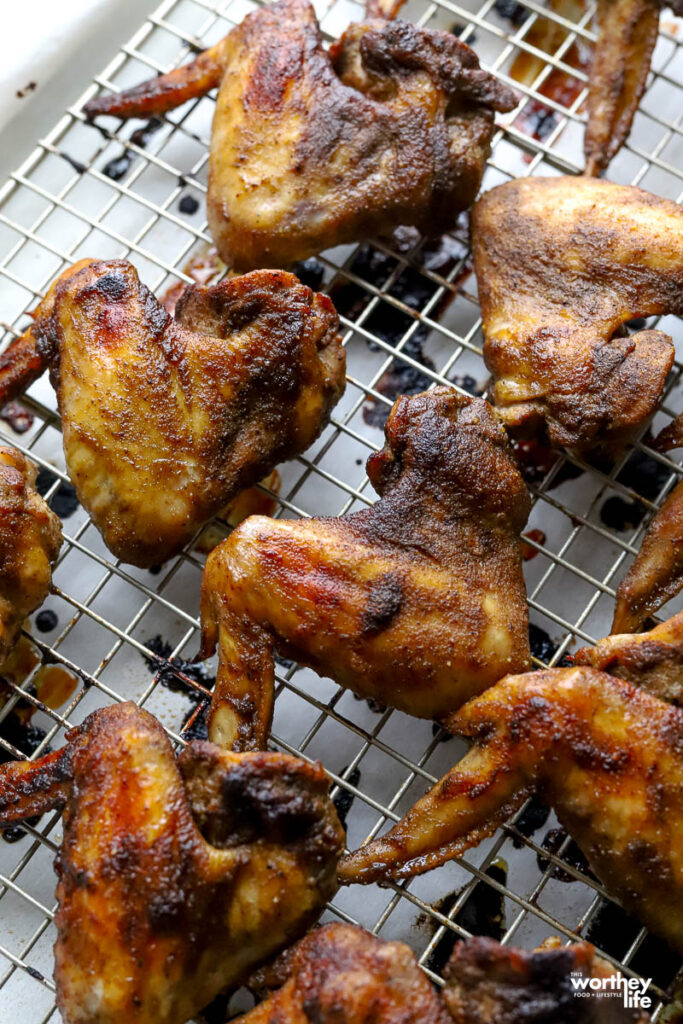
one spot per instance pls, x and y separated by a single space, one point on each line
176 878
311 149
562 264
30 539
166 419
656 574
607 756
417 602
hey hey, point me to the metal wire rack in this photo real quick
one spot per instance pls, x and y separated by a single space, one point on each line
410 317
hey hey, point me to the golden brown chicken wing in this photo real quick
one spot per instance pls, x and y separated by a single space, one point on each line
670 437
418 602
652 660
656 574
562 264
30 539
175 878
166 419
311 149
627 34
340 974
607 756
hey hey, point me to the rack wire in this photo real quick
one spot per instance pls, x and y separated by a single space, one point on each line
410 318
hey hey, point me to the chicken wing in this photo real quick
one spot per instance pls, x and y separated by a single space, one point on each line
417 602
670 437
340 974
656 574
166 419
176 879
652 660
311 149
606 755
561 265
30 539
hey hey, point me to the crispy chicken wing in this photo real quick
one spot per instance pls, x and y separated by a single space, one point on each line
627 34
562 264
340 974
311 149
418 602
652 660
656 574
671 436
607 756
176 879
30 539
166 419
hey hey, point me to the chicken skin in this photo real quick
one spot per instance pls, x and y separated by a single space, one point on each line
606 755
311 149
30 539
656 575
340 974
561 265
176 878
627 34
166 419
651 660
417 602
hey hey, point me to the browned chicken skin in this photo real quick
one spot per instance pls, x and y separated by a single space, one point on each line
627 34
656 575
176 878
607 756
651 660
166 419
562 264
418 602
30 539
311 149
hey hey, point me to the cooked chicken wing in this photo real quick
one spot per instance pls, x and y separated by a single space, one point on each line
311 149
652 660
418 602
607 756
176 879
340 974
671 436
656 574
627 34
166 419
30 539
562 264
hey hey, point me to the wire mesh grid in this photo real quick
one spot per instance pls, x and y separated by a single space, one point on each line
410 318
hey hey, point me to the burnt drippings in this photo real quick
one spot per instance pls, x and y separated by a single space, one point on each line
310 272
195 724
612 931
401 378
28 88
483 913
77 165
188 204
343 801
528 550
46 620
177 674
543 648
64 501
533 817
643 474
514 12
119 165
571 855
536 458
621 515
19 418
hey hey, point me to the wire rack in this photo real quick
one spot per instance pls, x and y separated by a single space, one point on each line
410 318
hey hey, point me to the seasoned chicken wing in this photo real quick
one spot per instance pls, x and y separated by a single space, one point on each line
562 264
417 602
671 436
656 574
627 34
340 974
176 878
166 419
652 660
606 755
311 149
30 539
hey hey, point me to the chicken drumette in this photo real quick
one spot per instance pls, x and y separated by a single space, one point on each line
166 419
311 149
30 539
607 756
417 602
562 264
656 574
627 33
176 878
